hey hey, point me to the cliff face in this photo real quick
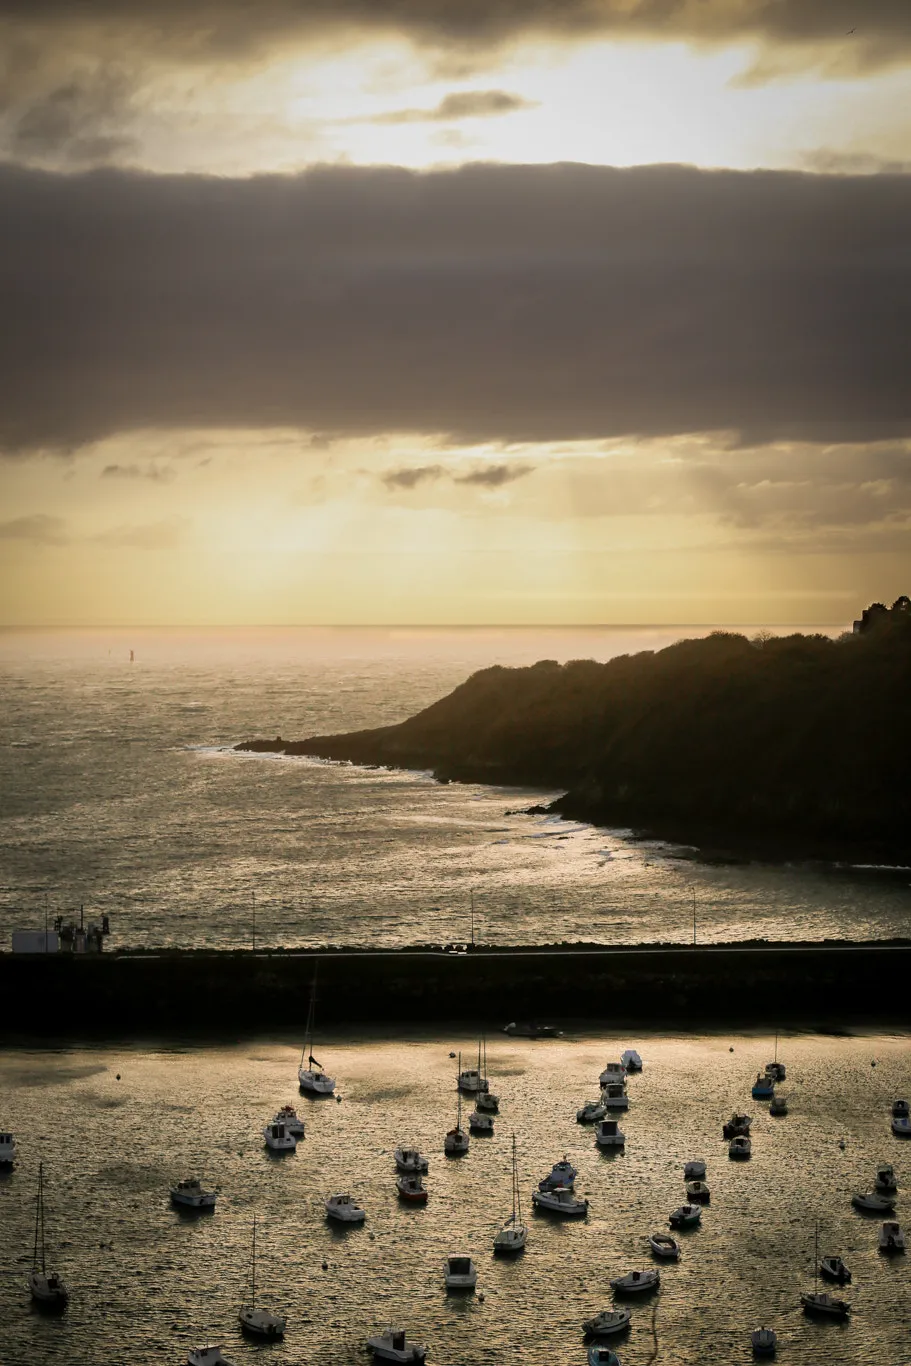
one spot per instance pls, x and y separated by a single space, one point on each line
794 738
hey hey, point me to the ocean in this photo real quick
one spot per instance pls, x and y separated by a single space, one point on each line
120 793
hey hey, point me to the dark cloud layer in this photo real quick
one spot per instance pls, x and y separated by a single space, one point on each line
492 302
199 28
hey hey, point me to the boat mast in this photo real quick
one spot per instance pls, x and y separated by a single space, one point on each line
516 1203
253 1269
816 1260
39 1221
459 1095
308 1036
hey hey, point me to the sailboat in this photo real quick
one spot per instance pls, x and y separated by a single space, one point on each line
456 1140
820 1301
261 1323
312 1078
511 1237
775 1069
486 1101
49 1290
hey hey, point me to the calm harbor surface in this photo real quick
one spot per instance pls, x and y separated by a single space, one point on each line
147 1282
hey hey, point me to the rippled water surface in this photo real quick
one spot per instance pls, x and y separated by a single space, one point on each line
147 1282
119 790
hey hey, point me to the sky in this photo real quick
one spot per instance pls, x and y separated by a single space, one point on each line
454 311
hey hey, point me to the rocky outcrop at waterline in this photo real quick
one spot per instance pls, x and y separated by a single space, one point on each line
798 742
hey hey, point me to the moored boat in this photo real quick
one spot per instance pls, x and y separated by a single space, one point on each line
455 1144
885 1181
191 1195
614 1097
740 1147
637 1282
686 1216
694 1170
664 1246
411 1188
393 1346
560 1201
47 1288
345 1210
254 1319
891 1238
460 1273
631 1060
561 1174
901 1126
901 1109
608 1135
312 1079
591 1112
608 1323
763 1087
599 1355
833 1269
410 1160
513 1235
207 1356
820 1302
480 1124
738 1125
614 1074
292 1121
874 1202
7 1150
698 1190
763 1341
279 1139
778 1106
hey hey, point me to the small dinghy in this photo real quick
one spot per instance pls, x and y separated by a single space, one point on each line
901 1126
191 1195
479 1123
562 1174
874 1202
778 1106
411 1188
901 1109
763 1087
891 1239
698 1190
392 1346
292 1121
345 1210
636 1282
608 1323
764 1341
279 1139
608 1135
591 1112
410 1160
885 1179
460 1273
560 1201
694 1170
601 1356
207 1356
737 1125
686 1216
614 1097
664 1246
740 1148
834 1269
825 1305
7 1150
631 1060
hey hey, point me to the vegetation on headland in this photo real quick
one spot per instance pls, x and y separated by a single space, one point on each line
796 742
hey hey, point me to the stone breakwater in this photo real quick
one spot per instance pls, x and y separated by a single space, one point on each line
822 986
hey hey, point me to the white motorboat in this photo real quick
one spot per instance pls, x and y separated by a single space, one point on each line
737 1125
763 1087
560 1200
292 1121
698 1190
345 1210
664 1246
392 1346
45 1287
614 1073
591 1112
7 1150
614 1097
686 1216
885 1178
631 1060
820 1302
901 1109
694 1170
874 1202
258 1322
191 1195
513 1235
278 1139
207 1356
410 1160
460 1273
891 1238
608 1323
778 1106
637 1282
312 1079
834 1269
561 1174
455 1144
901 1126
608 1135
479 1123
763 1341
471 1081
740 1147
601 1356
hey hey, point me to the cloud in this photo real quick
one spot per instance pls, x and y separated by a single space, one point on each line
410 477
158 474
829 161
39 528
466 104
486 476
493 476
163 535
504 303
81 121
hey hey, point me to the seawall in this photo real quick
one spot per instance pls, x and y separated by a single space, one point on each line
829 986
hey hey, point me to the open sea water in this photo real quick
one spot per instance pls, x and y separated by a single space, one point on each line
116 1125
119 791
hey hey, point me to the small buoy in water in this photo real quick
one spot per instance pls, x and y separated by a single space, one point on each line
338 1100
873 1063
118 1076
481 1298
731 1049
325 1266
842 1144
452 1055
